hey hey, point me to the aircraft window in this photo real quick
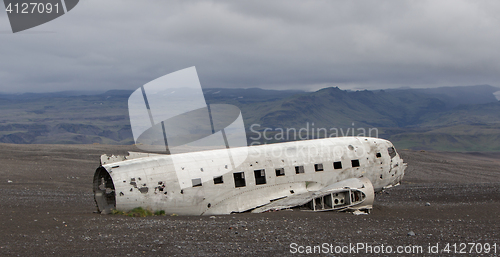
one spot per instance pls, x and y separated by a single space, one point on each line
379 155
337 165
218 180
239 179
196 182
280 172
355 163
299 169
392 152
318 167
260 177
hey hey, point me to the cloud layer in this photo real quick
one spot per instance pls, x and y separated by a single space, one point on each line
285 44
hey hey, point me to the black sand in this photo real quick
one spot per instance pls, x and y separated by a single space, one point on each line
47 209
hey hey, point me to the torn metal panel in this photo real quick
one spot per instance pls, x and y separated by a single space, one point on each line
118 158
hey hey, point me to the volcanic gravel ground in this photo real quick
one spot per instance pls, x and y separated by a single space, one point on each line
47 208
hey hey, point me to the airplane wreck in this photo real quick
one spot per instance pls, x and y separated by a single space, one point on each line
318 175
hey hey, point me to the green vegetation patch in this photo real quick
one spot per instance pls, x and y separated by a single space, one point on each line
139 212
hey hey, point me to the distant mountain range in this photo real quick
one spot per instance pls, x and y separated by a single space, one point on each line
447 118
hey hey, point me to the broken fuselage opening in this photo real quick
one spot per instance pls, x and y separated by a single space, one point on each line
341 200
104 191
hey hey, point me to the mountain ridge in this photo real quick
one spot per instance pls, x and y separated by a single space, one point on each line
449 118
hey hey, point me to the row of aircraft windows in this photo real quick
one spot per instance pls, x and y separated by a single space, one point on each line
260 175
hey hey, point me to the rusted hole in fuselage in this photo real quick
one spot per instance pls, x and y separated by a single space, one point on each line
392 152
133 183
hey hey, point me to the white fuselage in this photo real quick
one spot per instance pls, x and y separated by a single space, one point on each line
210 182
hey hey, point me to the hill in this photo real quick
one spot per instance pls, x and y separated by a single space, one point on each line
451 118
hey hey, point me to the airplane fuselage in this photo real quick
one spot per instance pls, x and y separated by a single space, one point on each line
209 182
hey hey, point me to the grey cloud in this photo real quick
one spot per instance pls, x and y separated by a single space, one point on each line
271 44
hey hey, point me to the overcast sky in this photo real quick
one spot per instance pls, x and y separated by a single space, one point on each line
278 44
